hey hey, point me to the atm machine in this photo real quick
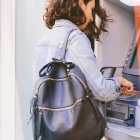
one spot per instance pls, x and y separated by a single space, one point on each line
123 116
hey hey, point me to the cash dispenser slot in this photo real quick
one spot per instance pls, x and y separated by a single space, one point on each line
124 116
131 120
117 114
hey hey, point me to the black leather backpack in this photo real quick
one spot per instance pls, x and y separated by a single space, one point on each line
62 105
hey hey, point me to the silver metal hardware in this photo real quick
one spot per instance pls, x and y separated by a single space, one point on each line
35 96
40 112
109 108
131 47
40 138
131 108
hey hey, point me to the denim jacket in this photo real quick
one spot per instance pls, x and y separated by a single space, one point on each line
78 51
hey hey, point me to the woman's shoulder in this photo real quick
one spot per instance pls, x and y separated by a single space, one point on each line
57 36
79 37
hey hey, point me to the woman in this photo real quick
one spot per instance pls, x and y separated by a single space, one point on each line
64 15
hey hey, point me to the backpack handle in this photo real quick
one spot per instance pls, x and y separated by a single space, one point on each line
65 44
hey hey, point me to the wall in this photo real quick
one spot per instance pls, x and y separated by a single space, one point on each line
30 29
7 69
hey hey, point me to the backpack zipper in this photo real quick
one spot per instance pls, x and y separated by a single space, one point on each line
64 108
70 74
60 109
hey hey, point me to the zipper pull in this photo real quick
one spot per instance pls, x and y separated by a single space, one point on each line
35 99
32 111
33 107
30 118
40 111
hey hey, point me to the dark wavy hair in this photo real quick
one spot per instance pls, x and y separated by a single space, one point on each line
70 10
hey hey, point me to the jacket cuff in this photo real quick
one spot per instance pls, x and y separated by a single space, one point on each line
118 87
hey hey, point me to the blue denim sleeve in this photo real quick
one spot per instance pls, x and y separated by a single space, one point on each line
79 48
118 88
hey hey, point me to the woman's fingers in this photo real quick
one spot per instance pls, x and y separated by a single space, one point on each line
129 90
124 91
127 87
135 92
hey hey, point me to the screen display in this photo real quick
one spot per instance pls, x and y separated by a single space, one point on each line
134 63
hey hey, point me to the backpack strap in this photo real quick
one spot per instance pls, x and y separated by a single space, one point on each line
65 44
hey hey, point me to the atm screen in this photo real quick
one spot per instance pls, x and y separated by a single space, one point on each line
134 63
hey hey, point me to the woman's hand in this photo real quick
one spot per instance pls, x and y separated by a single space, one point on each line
127 86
